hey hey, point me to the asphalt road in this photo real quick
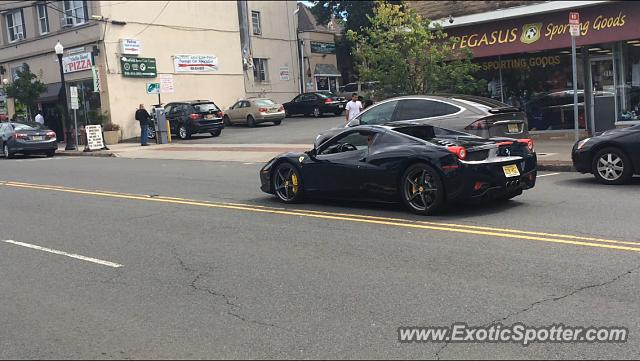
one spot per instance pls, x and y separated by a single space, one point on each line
204 265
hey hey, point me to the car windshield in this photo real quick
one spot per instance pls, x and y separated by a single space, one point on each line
264 102
27 126
205 107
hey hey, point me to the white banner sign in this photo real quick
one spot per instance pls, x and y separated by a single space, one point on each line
94 137
195 63
78 62
130 46
73 92
166 83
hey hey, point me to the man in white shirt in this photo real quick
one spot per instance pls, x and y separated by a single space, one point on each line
353 108
39 119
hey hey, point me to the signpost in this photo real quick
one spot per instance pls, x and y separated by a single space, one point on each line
574 23
75 105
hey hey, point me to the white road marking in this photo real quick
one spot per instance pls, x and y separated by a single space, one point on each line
72 255
547 175
248 163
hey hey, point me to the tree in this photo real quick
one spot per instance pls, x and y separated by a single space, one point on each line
410 55
26 88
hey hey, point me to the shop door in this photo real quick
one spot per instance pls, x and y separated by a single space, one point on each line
333 85
603 83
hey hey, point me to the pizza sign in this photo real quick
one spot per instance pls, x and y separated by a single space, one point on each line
77 62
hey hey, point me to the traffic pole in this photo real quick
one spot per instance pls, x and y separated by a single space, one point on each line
575 88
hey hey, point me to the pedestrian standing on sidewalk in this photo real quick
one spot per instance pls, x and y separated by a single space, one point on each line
353 108
39 118
143 117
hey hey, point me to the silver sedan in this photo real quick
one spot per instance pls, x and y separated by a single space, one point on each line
254 111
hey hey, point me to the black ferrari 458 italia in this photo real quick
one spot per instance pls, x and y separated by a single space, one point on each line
422 166
613 157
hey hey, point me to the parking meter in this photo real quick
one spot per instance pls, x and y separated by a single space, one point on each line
161 126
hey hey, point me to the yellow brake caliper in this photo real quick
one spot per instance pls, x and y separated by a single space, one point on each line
294 180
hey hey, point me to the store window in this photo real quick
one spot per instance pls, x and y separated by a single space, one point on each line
15 25
89 101
322 83
43 19
540 83
629 91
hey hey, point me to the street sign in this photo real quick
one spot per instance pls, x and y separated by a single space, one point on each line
166 83
138 67
284 73
574 18
153 88
73 92
188 63
94 137
574 30
95 74
130 46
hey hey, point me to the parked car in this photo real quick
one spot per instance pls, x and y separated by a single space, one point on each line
27 138
316 104
366 89
254 111
613 157
194 117
420 165
480 116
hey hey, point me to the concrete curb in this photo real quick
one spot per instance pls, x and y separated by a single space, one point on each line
559 166
101 154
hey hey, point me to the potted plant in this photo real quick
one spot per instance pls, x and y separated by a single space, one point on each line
111 133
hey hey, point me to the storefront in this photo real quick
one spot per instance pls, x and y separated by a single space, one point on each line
326 77
527 62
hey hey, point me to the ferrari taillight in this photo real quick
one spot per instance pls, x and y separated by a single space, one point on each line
528 142
460 152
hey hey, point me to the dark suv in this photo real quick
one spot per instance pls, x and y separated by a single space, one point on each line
193 117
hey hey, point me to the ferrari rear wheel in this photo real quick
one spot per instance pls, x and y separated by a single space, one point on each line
422 189
287 183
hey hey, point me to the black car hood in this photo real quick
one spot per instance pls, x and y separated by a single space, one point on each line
618 131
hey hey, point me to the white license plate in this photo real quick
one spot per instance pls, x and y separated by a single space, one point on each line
513 128
511 171
37 138
275 110
340 106
210 117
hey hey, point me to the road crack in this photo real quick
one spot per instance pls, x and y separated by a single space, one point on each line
233 308
548 299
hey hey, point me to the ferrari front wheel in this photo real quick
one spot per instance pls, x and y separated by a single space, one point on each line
422 189
287 183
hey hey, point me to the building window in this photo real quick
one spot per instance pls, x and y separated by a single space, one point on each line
15 25
75 13
43 19
260 73
255 21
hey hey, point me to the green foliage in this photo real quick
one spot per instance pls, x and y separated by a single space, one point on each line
26 89
96 117
356 14
410 55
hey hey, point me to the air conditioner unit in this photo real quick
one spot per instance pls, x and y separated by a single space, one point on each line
19 36
66 22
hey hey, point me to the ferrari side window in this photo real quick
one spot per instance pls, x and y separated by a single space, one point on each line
379 114
350 142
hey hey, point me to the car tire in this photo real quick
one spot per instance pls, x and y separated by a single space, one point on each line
50 153
316 112
6 152
287 183
612 166
277 122
183 132
421 189
251 122
216 133
227 120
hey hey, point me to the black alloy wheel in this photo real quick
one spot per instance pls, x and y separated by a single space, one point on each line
287 183
422 189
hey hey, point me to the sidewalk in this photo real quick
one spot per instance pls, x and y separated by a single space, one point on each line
553 155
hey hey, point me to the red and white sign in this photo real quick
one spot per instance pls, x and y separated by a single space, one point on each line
166 83
574 18
195 63
130 47
77 62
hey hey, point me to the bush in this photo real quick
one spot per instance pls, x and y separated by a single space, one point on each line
110 127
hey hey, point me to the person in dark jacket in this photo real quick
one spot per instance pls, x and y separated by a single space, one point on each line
143 117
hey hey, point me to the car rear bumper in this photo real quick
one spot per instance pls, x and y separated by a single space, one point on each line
269 117
32 147
485 181
333 108
206 127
